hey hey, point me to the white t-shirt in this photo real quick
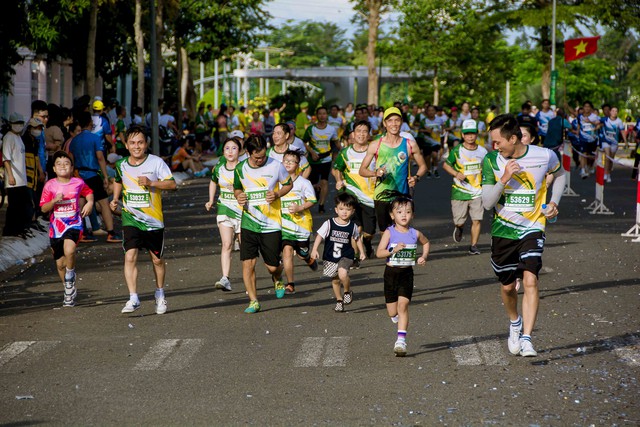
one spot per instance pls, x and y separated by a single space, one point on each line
165 119
13 150
297 144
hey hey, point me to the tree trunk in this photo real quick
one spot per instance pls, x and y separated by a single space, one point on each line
139 37
374 22
158 47
181 53
545 42
184 78
91 48
436 86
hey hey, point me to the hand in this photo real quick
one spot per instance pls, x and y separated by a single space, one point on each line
241 198
315 255
421 261
208 206
510 169
381 171
412 181
144 181
314 155
271 196
59 197
113 205
87 208
460 176
339 185
398 247
295 208
363 256
105 183
552 210
12 181
41 177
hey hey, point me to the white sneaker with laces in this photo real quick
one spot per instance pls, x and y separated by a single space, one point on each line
527 349
130 307
400 348
161 306
514 342
223 284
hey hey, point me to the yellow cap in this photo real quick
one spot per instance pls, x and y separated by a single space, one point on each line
391 111
98 105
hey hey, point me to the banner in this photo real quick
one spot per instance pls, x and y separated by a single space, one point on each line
579 48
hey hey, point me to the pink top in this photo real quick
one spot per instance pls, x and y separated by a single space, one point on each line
66 213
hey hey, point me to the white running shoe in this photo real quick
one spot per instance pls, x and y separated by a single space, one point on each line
400 348
527 349
236 246
395 319
583 174
161 306
514 341
130 307
223 284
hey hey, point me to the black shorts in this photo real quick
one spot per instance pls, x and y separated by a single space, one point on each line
365 217
265 244
151 240
301 247
96 184
398 282
383 216
57 244
509 258
319 171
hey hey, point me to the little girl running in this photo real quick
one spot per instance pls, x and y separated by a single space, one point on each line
399 244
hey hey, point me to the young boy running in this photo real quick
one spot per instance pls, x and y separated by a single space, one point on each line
465 165
399 244
338 255
140 179
61 196
297 223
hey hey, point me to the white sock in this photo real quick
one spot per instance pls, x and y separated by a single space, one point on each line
160 293
70 273
134 297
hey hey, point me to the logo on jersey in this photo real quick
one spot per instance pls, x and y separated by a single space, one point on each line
540 243
402 156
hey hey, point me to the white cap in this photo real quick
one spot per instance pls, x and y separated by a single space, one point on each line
236 134
113 157
469 126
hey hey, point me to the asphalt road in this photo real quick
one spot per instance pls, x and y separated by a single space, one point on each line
205 362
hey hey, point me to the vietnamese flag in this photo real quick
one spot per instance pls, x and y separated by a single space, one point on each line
579 48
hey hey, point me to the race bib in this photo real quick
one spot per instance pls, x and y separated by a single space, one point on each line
227 197
587 127
64 209
405 257
472 168
322 145
138 199
519 200
354 165
285 203
257 196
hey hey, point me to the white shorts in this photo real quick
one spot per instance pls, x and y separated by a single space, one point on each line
612 147
225 221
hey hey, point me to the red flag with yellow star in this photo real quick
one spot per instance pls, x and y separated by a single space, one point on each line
579 48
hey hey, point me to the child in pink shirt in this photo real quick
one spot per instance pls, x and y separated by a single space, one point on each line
61 196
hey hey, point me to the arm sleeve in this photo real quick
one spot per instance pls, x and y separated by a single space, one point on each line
163 171
491 194
559 182
85 191
46 194
308 193
323 231
237 182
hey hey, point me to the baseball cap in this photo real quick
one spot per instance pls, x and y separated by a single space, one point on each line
469 126
34 123
454 108
98 105
236 134
304 104
16 118
391 111
291 124
113 157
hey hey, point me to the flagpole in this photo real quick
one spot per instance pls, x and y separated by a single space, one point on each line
554 77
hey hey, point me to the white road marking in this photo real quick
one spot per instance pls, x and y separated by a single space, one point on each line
628 350
471 351
310 352
466 351
27 350
156 355
336 353
181 357
321 351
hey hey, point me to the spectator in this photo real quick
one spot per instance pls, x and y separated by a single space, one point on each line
13 155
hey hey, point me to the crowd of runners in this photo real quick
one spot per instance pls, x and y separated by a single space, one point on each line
270 175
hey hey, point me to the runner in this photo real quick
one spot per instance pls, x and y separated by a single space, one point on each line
514 186
282 134
610 135
399 245
302 120
542 118
61 196
346 171
465 165
431 136
297 223
393 153
339 234
258 183
482 128
319 139
588 125
228 210
140 179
